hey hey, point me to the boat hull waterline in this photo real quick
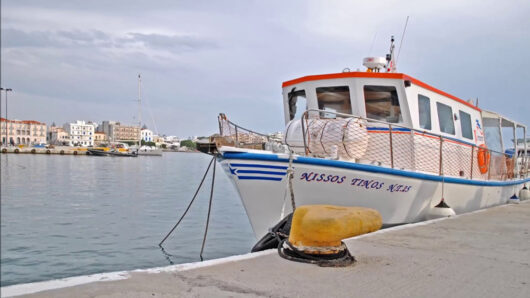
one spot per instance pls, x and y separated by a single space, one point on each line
400 196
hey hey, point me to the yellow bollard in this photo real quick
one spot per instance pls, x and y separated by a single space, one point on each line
326 225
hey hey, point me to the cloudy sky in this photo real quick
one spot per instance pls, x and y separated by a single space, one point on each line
71 59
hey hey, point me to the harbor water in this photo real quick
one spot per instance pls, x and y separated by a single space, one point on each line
65 216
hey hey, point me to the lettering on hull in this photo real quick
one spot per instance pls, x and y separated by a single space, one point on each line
355 182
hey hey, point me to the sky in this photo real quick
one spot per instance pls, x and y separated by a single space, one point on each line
79 60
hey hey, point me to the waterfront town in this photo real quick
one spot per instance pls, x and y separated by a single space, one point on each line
28 133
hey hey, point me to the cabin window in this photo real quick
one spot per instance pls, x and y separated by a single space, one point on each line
445 118
465 125
382 103
424 110
297 103
335 100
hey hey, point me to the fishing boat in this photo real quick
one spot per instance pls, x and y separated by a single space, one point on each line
375 138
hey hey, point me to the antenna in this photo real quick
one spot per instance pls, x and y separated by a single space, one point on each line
402 37
373 42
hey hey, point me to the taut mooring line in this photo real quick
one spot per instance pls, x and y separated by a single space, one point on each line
191 202
209 209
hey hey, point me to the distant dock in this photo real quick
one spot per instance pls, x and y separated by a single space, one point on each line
63 150
480 254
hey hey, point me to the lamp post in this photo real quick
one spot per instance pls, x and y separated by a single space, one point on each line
7 121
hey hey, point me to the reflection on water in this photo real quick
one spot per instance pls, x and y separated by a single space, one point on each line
74 215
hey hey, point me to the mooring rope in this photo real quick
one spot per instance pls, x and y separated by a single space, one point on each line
191 202
209 210
290 173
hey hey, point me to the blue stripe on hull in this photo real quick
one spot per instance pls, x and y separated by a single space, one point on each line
258 178
235 165
261 172
364 168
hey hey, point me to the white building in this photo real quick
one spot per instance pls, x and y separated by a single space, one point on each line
147 135
81 133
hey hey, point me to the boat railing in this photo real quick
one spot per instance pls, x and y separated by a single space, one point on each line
330 134
238 136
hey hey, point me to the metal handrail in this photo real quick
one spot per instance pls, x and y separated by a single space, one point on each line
392 126
222 117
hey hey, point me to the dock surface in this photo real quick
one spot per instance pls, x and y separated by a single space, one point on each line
480 254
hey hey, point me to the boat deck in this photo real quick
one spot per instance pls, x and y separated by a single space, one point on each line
480 254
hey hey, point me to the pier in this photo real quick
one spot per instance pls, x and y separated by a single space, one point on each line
480 254
61 150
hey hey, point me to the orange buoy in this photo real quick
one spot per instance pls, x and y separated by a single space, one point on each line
483 157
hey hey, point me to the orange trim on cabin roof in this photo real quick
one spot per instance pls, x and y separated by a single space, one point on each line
376 75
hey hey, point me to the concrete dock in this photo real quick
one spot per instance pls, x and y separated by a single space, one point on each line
480 254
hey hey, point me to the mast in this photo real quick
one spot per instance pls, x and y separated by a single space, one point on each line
391 65
140 109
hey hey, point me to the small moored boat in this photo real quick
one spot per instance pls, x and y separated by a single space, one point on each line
98 152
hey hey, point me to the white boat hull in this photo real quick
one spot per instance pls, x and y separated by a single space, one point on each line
400 196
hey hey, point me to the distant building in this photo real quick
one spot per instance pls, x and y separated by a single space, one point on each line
100 138
93 124
106 127
147 135
81 133
125 133
278 136
171 139
116 132
58 136
22 132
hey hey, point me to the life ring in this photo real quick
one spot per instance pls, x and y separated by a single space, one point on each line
75 152
48 152
483 157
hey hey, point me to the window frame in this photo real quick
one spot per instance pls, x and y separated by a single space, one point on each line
400 117
438 105
423 97
296 94
460 112
347 101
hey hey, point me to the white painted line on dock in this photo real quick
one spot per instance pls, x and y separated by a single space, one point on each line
34 287
213 262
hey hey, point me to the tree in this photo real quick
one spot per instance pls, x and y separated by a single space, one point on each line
188 143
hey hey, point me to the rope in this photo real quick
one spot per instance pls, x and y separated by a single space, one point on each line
189 205
209 210
290 175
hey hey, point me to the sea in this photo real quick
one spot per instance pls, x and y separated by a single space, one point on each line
64 215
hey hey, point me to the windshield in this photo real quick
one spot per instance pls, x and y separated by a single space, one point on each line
297 103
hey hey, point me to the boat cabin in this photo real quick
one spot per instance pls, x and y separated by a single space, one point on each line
394 120
387 97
